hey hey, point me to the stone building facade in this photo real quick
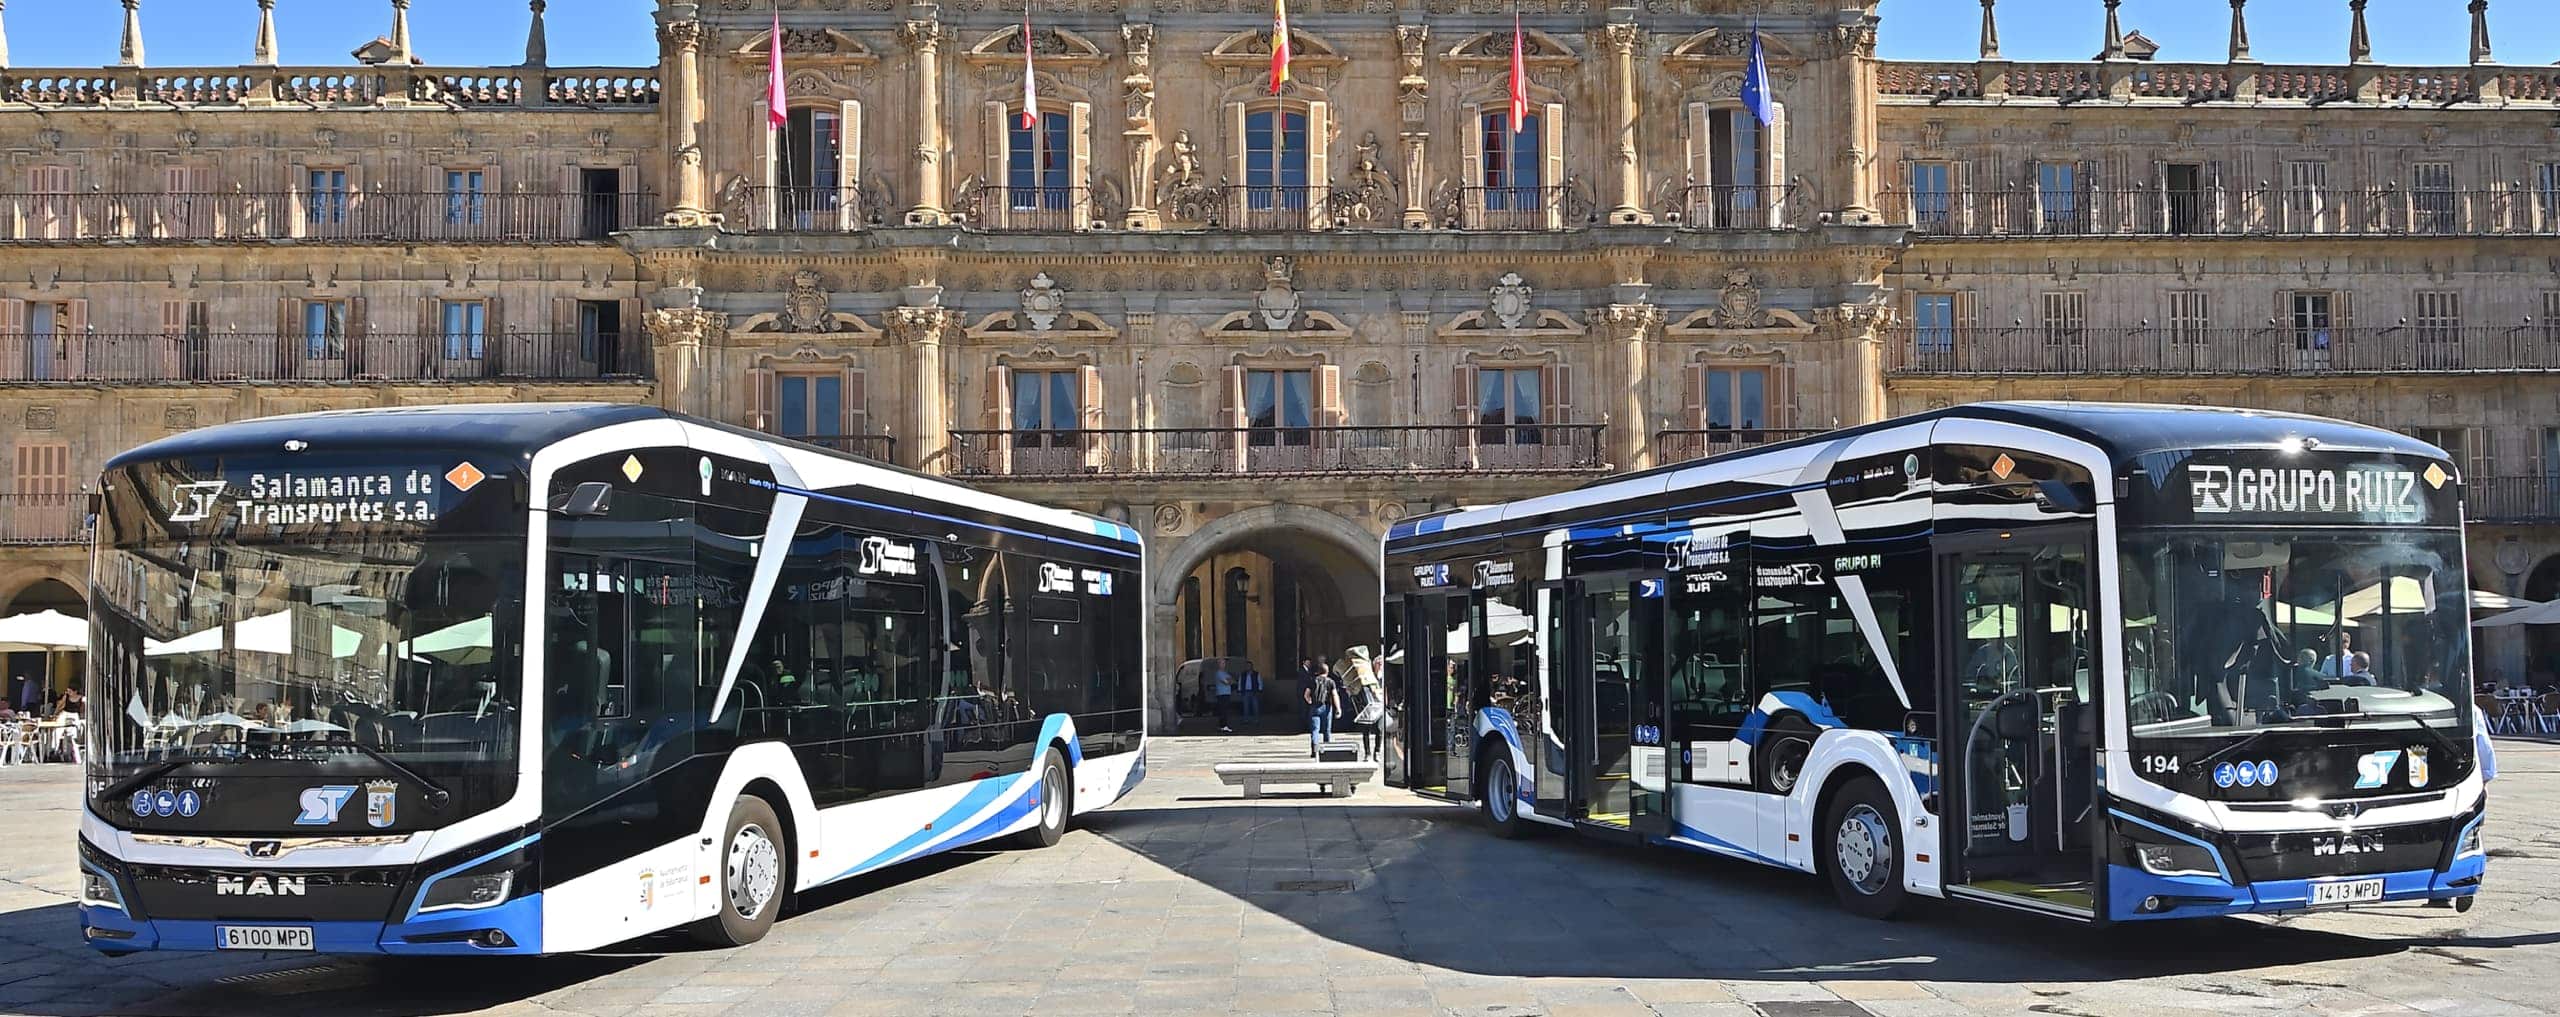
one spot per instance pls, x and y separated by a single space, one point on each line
1261 327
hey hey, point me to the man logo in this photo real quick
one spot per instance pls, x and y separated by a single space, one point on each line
321 805
260 885
2345 844
2374 770
264 848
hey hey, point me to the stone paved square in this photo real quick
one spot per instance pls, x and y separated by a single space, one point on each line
1170 903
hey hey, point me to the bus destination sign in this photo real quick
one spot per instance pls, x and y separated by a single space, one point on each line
293 498
2241 492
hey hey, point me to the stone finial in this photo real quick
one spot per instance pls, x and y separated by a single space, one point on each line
2480 33
2359 41
2115 34
1990 32
129 52
4 36
400 53
264 54
537 50
2239 31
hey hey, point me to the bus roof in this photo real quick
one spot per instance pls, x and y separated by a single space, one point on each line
2124 432
518 430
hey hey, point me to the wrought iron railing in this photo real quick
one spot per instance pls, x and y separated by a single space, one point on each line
2277 349
87 358
1279 451
1556 207
1679 445
828 209
2512 499
592 88
1274 209
881 448
2518 208
1029 209
1734 207
28 519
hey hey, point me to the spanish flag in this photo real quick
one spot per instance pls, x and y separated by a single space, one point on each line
1279 44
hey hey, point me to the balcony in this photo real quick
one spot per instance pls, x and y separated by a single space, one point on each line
102 358
1029 209
827 209
879 448
33 520
509 217
386 86
1561 207
1727 207
1194 453
2283 350
2528 499
1682 445
2214 211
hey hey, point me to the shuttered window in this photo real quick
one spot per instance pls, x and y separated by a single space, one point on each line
2190 315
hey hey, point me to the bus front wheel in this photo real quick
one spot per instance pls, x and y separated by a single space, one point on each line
1502 797
1861 847
754 867
1057 800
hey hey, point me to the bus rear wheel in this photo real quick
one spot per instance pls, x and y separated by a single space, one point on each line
754 869
1862 849
1057 802
1502 797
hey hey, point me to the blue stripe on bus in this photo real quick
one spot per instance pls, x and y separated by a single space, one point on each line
983 792
920 514
1607 521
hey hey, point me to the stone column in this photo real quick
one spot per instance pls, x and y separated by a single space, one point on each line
1413 109
1622 40
2485 83
400 54
681 343
925 38
537 48
1138 89
1990 32
1856 333
129 51
2363 75
1856 43
264 52
919 329
2244 68
4 33
680 49
1625 333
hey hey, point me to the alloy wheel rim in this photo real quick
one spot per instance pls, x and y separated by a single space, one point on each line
1051 812
1503 787
754 871
1863 847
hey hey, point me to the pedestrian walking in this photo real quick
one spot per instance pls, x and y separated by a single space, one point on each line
1252 690
1323 698
1222 691
1369 700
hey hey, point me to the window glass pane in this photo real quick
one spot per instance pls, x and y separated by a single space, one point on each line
1259 398
1062 400
1525 397
1257 149
1753 398
1299 399
1020 172
1497 138
1490 393
1526 153
1054 151
826 146
826 404
1743 159
1027 390
1719 398
794 418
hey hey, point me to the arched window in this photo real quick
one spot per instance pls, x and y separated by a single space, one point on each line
1275 163
1036 170
1514 163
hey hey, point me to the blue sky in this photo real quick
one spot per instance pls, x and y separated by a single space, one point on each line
82 33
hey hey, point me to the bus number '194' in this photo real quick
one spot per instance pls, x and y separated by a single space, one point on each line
2159 764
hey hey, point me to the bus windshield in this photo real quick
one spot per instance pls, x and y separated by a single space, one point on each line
2237 632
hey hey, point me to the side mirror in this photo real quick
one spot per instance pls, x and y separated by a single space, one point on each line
593 498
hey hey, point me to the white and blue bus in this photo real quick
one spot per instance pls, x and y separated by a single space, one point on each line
541 678
2109 663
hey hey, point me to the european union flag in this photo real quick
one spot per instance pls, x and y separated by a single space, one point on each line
1755 84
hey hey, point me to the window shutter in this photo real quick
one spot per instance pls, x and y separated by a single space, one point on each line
1089 396
1080 162
1775 139
494 325
2342 310
564 316
1780 389
857 406
1693 397
298 192
849 211
999 401
1471 210
995 125
1329 409
173 318
1463 379
1558 390
1551 171
1702 171
1233 411
431 324
630 213
768 160
75 340
1237 145
630 338
1319 158
760 399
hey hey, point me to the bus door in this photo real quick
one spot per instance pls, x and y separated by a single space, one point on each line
1551 757
1620 777
1435 731
2021 686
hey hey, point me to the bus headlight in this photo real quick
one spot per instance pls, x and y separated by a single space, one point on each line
99 891
2175 860
467 892
2470 842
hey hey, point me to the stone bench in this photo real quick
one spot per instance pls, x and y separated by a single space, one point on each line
1337 779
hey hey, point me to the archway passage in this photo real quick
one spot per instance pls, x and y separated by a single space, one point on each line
1271 590
2542 642
36 678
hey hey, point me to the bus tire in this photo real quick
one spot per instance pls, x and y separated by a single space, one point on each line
1501 797
755 868
1057 802
1861 843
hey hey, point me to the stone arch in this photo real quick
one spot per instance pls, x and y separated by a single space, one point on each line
19 581
1322 566
1165 575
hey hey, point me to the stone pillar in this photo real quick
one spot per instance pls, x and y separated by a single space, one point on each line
1990 32
920 329
1625 333
681 341
680 50
1413 114
129 51
2484 83
2244 68
1138 89
1622 39
1856 335
2364 77
1856 43
925 38
537 48
4 33
400 54
264 52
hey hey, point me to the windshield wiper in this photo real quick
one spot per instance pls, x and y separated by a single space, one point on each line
154 772
436 794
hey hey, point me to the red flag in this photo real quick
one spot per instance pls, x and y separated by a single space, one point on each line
1279 44
1519 79
1030 88
776 112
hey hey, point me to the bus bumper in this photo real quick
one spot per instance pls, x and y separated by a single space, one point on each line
514 927
2134 895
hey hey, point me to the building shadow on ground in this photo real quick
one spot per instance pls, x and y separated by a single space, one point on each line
1430 884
